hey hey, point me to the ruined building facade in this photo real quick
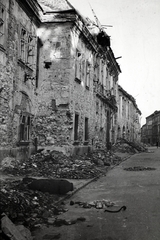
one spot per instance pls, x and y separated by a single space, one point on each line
129 117
58 80
150 132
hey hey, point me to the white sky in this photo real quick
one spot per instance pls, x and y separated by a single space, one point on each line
135 36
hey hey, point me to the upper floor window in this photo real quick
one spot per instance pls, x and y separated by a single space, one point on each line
78 65
27 47
30 49
23 41
88 73
2 24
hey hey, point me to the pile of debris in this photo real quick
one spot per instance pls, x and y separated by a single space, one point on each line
26 206
57 165
125 146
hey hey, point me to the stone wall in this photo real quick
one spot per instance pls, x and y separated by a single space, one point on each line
17 77
52 121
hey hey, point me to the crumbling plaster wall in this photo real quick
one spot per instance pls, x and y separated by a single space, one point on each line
18 95
6 76
60 96
85 101
128 119
52 117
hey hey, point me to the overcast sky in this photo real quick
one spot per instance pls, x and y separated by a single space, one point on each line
135 36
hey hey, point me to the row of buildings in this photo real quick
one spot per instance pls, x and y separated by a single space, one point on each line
59 82
150 132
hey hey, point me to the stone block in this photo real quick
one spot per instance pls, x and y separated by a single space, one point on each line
10 230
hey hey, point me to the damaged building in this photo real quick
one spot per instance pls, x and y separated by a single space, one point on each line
129 117
58 80
18 75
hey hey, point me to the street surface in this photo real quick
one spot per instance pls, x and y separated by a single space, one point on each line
139 191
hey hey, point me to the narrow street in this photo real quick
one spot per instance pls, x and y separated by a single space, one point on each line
139 191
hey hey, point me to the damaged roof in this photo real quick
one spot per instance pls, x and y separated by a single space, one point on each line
55 5
129 97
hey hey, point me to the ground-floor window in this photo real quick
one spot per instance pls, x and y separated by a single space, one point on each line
86 131
25 128
76 127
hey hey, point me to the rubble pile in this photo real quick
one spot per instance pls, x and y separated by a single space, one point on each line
137 146
57 165
125 146
26 206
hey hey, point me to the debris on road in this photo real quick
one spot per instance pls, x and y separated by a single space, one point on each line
139 168
98 204
26 206
30 207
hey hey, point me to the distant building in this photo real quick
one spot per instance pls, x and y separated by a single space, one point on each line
129 117
150 132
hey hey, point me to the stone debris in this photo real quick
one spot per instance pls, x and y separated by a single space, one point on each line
28 207
139 168
125 146
14 232
98 204
31 207
57 165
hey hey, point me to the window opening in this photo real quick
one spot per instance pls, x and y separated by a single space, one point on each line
78 65
23 45
2 22
30 48
25 128
76 127
86 134
88 67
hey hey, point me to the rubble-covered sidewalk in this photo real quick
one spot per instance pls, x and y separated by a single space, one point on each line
31 208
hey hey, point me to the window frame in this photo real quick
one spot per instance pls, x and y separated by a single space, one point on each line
76 127
25 129
78 66
88 74
27 45
86 130
2 25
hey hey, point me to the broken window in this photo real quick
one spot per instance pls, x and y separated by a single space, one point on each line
88 70
76 127
78 65
86 132
83 69
25 128
97 107
2 24
27 47
30 49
